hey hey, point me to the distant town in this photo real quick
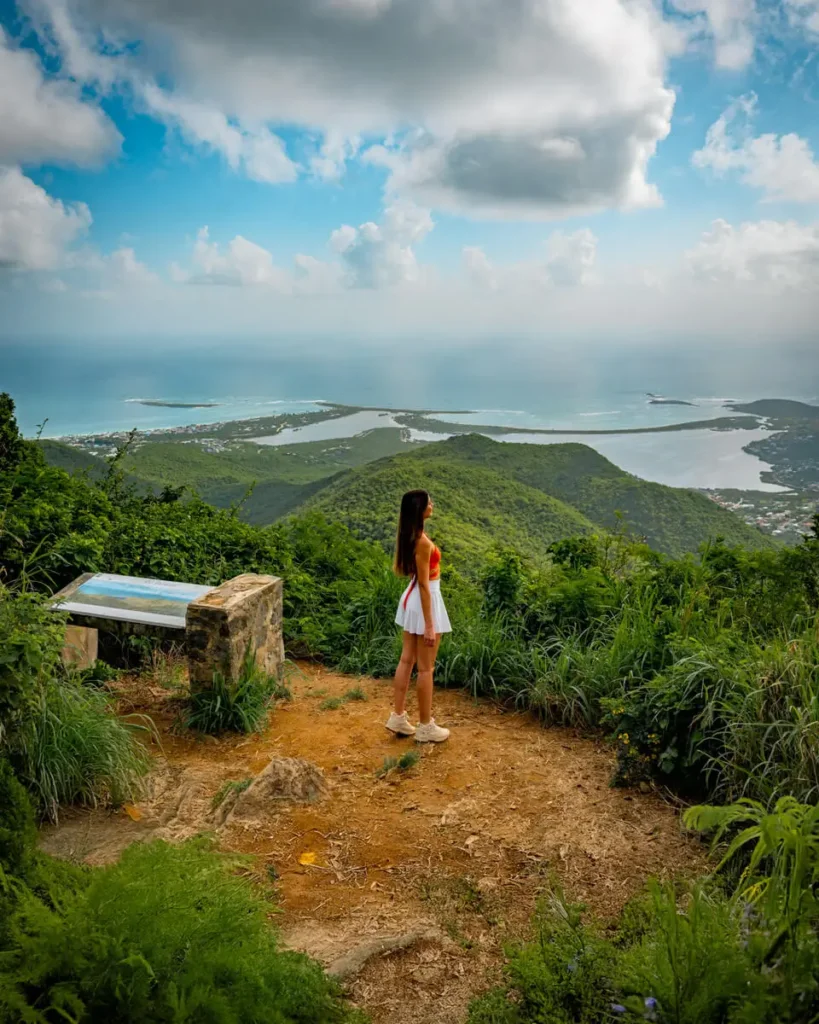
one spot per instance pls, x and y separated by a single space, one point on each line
784 514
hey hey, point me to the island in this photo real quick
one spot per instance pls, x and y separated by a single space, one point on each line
174 405
659 400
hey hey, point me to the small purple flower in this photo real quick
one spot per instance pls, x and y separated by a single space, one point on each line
650 1002
617 1008
571 966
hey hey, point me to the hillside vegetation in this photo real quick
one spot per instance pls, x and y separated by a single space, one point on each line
268 481
477 506
527 496
487 492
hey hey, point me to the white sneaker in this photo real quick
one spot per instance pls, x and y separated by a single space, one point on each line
431 733
400 725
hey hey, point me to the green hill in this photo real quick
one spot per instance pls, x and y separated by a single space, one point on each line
283 477
477 506
490 490
72 460
780 409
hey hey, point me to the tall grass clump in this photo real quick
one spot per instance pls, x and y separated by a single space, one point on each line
73 749
61 736
169 933
241 707
768 743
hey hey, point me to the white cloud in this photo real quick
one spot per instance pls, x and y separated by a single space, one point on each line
35 228
382 255
240 263
782 166
778 254
126 271
569 262
541 109
804 15
252 148
317 277
571 258
372 256
478 267
336 149
46 119
729 23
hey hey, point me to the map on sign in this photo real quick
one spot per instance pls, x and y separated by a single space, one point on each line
130 599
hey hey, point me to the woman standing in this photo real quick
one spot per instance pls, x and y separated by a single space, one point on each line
422 616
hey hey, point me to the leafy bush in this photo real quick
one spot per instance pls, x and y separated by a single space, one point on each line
502 582
168 933
31 639
694 957
563 976
782 870
17 831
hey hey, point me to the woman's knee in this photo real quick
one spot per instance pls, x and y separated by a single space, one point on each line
407 661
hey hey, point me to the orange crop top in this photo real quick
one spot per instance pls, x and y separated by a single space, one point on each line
434 562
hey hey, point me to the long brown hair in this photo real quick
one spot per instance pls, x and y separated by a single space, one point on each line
410 527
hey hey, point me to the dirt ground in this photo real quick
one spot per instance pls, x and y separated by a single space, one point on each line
405 886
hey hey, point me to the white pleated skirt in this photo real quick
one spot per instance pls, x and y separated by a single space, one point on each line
410 614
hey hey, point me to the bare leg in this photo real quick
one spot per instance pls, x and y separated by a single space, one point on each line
426 663
403 673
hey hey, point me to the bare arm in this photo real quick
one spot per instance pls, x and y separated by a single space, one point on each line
422 556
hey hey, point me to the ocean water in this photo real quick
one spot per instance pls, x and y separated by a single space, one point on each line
81 388
76 388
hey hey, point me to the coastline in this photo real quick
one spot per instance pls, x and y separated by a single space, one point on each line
421 419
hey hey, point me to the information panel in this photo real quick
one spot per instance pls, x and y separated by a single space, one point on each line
130 599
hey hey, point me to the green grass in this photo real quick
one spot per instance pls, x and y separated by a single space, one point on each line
407 760
331 704
334 703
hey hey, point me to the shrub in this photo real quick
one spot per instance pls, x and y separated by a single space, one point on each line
563 976
168 933
17 832
675 957
502 582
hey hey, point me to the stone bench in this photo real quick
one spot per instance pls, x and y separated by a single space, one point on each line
218 625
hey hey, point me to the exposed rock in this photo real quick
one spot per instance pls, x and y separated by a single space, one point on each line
353 961
285 779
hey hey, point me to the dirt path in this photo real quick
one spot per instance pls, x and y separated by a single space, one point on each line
439 866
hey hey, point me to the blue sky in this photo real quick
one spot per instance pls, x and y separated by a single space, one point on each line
392 165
